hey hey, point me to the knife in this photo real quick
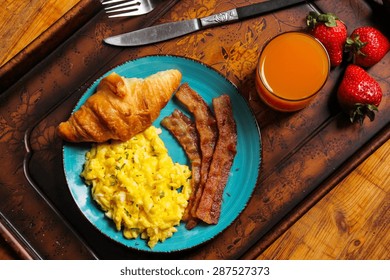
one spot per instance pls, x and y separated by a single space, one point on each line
166 31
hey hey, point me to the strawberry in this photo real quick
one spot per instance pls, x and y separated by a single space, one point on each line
367 45
331 32
359 94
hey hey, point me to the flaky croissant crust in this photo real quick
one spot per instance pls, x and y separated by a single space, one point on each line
120 108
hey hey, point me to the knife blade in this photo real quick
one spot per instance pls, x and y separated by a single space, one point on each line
166 31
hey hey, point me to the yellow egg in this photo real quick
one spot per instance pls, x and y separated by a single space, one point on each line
138 186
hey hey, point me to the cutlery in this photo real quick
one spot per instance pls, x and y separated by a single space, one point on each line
166 31
129 7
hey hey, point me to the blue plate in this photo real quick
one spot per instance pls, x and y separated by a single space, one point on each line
243 177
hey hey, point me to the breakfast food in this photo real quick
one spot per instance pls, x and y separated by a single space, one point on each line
283 89
331 31
359 94
212 159
121 107
368 46
207 129
132 177
138 186
209 207
184 130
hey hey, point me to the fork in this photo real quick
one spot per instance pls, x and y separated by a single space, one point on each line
129 7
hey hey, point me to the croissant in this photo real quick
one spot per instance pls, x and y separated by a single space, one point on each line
120 108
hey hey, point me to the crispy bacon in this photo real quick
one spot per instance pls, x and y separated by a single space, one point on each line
209 207
184 130
207 129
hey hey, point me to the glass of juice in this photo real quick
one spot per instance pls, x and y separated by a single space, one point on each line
293 67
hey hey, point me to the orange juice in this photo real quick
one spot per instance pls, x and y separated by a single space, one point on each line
292 68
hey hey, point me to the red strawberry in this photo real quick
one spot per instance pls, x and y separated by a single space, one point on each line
359 94
331 32
368 46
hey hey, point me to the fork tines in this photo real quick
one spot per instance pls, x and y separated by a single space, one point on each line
114 6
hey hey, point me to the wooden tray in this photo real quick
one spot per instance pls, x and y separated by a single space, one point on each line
304 155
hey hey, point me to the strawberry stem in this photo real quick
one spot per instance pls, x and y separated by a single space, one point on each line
328 19
354 45
360 111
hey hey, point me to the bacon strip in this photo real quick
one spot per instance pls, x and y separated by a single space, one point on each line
184 130
207 129
209 207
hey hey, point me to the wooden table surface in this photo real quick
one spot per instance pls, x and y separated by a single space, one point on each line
350 222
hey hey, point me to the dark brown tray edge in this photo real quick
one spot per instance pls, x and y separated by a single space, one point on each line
15 240
51 39
323 189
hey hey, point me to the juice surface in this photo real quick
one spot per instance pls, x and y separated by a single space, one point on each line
294 66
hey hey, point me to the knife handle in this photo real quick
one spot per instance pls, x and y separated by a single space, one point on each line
264 7
220 18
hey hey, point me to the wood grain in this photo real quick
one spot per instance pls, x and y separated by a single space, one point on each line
351 222
23 21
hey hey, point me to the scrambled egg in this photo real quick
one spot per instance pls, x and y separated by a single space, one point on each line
138 185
